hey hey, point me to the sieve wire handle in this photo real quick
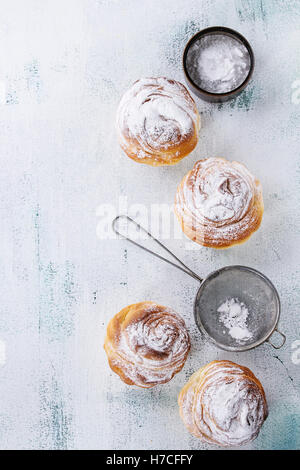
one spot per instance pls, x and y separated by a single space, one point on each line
182 266
283 339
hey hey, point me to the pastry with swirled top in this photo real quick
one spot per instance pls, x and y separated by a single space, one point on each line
146 344
157 121
224 404
219 203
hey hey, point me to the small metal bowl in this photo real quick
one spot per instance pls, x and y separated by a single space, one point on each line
207 95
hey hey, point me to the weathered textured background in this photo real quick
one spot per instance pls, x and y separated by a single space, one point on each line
63 67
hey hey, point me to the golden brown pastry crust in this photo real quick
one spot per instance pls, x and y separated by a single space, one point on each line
157 122
223 403
219 203
146 344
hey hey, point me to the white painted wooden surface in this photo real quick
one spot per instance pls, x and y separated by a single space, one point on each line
63 68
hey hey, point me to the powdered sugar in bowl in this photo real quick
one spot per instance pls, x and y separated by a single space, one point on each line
218 63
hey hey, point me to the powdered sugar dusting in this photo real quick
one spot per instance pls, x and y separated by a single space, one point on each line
216 199
157 113
223 403
152 344
234 316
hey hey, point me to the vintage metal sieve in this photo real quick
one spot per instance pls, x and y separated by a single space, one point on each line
250 286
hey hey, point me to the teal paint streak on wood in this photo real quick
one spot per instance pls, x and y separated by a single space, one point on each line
36 217
251 10
281 430
260 10
57 297
55 420
245 101
58 300
33 79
